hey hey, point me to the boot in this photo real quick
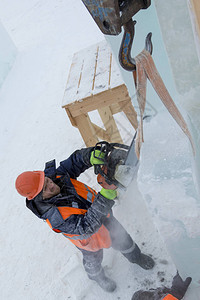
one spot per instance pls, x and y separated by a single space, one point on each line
143 260
104 282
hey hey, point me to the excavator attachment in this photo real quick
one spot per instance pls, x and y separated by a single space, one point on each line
111 15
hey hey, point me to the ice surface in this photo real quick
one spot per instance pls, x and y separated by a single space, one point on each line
182 44
166 181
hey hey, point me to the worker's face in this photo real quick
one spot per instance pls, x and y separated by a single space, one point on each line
50 189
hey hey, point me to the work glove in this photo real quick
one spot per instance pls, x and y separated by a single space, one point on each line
179 287
109 194
99 160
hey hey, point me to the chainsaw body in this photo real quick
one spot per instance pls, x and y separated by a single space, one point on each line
115 172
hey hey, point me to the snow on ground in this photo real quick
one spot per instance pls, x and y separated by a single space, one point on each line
35 262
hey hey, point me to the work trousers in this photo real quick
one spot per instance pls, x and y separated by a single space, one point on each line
121 241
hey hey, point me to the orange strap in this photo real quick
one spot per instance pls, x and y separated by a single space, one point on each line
84 190
145 68
66 212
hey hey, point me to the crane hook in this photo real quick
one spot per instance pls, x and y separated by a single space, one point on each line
125 59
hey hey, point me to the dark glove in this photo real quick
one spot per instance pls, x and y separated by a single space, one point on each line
179 287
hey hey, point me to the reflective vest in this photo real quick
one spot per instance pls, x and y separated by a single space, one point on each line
98 240
169 297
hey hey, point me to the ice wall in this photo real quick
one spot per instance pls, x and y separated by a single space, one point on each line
166 177
181 46
8 52
182 50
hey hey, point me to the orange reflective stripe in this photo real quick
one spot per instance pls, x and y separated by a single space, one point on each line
66 212
83 190
80 188
47 220
169 297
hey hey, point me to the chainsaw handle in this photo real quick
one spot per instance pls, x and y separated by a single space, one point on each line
103 147
106 147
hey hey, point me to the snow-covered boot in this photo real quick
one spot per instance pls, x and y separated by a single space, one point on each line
104 282
143 260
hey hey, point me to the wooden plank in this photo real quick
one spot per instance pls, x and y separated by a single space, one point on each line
110 125
70 117
89 73
101 133
196 9
115 108
86 130
97 101
70 93
101 81
128 109
116 78
90 57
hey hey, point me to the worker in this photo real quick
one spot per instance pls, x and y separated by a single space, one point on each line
80 213
176 292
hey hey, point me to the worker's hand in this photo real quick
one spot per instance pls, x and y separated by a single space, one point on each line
109 194
179 287
97 157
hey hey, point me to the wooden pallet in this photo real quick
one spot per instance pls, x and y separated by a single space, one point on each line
95 83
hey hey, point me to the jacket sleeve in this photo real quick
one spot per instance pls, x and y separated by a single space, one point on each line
76 164
85 225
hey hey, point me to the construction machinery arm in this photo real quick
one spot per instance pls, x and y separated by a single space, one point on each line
111 15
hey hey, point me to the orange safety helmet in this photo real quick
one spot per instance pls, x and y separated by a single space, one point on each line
29 184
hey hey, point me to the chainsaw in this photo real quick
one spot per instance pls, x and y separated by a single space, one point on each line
119 164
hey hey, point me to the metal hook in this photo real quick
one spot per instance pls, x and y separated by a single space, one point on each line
125 59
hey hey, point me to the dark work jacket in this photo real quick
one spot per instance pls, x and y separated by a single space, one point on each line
76 224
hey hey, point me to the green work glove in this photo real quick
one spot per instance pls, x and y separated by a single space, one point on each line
97 161
109 194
